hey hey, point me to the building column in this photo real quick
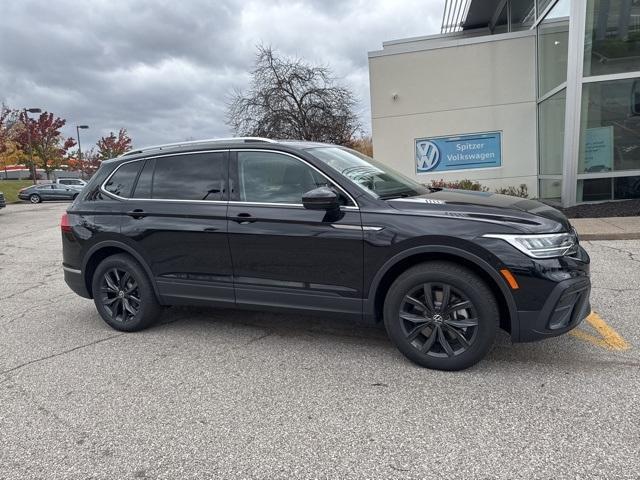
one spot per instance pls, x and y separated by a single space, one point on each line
575 58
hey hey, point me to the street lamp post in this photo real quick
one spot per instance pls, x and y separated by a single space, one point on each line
78 127
27 111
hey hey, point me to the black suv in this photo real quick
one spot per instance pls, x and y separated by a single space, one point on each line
312 227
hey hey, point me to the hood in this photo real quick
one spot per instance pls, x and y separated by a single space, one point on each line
529 216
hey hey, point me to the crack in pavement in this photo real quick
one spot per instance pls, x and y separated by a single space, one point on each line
32 309
616 289
620 250
59 354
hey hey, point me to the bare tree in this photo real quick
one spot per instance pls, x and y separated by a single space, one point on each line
291 99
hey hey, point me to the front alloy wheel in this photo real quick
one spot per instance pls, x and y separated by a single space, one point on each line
441 315
438 319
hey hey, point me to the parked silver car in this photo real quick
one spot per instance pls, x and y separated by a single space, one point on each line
49 191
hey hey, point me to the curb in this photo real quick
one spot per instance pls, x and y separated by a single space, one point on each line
609 236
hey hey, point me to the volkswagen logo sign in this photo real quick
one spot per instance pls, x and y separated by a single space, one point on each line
427 155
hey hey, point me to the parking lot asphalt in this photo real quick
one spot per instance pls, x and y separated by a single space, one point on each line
233 394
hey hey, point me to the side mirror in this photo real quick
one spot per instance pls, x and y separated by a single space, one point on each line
321 198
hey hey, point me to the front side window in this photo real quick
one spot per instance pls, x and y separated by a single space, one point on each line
200 176
268 177
373 177
121 182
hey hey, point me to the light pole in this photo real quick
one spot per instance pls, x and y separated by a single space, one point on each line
27 111
78 127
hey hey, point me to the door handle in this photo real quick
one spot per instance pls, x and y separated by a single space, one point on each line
244 218
137 213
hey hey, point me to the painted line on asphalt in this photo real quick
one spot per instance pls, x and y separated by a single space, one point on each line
609 339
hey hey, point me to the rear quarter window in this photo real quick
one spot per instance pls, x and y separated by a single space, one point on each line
122 181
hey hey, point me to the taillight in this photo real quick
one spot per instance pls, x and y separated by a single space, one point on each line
65 226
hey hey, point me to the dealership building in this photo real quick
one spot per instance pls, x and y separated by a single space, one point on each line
544 93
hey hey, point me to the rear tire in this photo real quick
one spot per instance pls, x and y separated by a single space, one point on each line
441 315
123 294
35 198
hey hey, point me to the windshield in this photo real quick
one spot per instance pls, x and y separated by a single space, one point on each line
373 177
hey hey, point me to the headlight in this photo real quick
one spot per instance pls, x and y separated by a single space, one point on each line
548 245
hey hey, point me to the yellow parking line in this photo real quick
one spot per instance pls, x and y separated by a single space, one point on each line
609 338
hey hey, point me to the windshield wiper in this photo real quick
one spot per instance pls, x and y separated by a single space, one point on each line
395 195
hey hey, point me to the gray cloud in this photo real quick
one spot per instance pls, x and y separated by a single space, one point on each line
163 69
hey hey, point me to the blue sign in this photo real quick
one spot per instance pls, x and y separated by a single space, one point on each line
462 152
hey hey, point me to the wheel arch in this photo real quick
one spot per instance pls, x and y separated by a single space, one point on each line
407 259
98 252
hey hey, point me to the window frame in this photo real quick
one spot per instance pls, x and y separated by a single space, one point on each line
234 179
145 159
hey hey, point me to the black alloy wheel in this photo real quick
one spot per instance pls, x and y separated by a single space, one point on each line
123 294
120 295
441 315
439 320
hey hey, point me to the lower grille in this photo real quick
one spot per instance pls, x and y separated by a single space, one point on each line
572 307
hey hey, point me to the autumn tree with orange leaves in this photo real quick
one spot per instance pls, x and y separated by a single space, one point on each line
48 145
113 145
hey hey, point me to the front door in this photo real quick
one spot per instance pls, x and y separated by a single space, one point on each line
283 254
177 218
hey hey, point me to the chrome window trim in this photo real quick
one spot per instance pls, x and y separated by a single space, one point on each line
332 181
235 202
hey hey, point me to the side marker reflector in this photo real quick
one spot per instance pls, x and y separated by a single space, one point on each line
511 280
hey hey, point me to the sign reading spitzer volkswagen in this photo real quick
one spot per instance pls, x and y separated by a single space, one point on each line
478 150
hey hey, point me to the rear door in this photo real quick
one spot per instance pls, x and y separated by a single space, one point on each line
176 218
283 254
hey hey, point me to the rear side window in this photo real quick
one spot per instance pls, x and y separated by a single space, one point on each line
122 181
200 176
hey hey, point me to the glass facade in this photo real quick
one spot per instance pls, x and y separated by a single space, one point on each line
610 128
551 133
608 163
553 40
612 37
603 163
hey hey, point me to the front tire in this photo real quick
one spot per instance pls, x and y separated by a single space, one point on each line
34 198
123 294
441 315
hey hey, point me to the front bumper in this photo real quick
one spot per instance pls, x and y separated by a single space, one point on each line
567 306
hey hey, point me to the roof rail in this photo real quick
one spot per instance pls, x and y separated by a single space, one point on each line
197 142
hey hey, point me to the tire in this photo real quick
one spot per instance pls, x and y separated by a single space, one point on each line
35 198
432 334
123 294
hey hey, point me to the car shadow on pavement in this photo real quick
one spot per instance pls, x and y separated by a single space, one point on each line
562 351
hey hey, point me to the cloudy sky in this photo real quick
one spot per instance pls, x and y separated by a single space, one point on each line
164 69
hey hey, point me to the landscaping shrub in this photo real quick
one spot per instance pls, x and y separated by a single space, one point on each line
520 191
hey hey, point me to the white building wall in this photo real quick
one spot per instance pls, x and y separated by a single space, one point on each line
437 88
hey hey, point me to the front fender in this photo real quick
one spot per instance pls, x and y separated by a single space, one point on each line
449 252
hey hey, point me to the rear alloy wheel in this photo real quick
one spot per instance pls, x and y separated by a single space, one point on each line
441 316
123 294
35 198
